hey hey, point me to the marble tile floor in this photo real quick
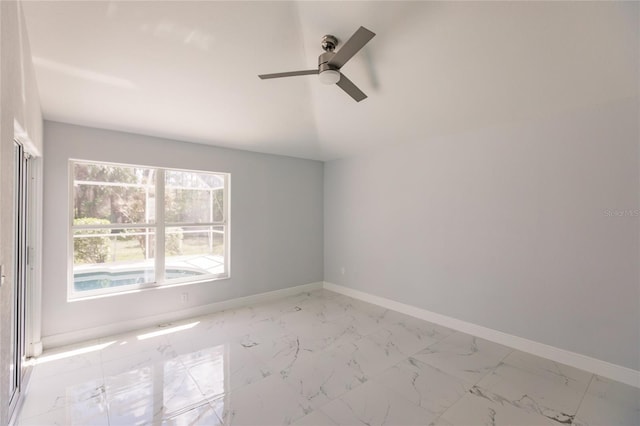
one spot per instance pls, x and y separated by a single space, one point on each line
316 358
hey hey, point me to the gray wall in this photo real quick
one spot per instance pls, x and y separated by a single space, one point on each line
18 103
276 223
514 228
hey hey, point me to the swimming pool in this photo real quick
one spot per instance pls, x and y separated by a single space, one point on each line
95 280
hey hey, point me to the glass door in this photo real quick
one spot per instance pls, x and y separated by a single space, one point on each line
20 272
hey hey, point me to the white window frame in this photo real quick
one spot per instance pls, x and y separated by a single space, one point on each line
159 226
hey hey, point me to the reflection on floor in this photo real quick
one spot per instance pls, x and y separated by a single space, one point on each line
314 359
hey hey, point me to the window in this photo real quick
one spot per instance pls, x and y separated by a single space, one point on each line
135 227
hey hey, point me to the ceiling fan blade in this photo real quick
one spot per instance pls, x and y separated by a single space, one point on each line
288 74
351 89
351 47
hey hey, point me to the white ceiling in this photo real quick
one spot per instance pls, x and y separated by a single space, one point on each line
188 70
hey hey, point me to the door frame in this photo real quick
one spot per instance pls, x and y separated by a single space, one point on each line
20 276
33 290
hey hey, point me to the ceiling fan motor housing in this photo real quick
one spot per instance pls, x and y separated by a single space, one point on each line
323 62
329 44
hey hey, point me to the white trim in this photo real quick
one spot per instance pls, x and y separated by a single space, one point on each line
34 292
602 368
159 261
226 218
33 301
22 136
36 349
114 226
126 326
69 242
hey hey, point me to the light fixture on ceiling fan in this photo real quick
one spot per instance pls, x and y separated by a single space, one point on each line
330 62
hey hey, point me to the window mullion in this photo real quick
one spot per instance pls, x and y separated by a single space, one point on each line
160 230
193 224
225 218
112 226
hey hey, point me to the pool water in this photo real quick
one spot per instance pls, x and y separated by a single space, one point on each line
101 279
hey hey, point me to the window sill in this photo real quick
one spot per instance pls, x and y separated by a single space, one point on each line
147 288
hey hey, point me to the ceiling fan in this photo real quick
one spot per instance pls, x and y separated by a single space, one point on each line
330 62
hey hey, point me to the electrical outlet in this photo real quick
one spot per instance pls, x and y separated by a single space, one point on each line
343 270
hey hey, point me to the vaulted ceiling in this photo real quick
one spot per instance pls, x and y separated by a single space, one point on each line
188 70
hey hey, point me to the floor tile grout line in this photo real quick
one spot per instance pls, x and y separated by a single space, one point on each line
327 349
475 384
293 388
374 379
206 399
494 368
104 387
586 390
406 357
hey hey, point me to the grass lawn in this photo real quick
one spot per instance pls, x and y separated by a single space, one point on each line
131 248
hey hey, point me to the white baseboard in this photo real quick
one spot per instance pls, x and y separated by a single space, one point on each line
602 368
64 339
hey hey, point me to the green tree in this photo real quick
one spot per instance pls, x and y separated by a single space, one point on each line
113 194
91 249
